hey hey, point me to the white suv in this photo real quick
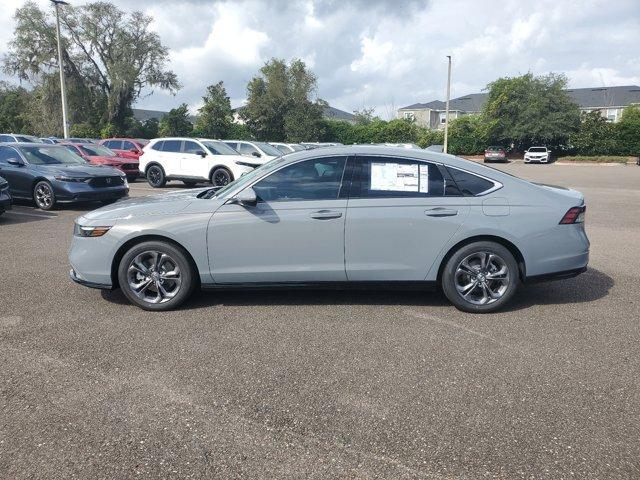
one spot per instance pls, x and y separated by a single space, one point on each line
191 160
259 152
537 154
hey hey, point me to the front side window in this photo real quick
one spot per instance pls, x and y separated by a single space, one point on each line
129 146
7 153
191 147
158 146
268 149
389 177
97 150
470 184
317 179
7 138
247 149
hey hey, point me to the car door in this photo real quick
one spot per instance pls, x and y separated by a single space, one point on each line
192 164
398 218
295 232
19 176
170 157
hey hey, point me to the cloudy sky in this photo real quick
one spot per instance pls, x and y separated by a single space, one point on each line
388 53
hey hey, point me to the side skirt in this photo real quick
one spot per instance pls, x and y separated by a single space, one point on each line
378 285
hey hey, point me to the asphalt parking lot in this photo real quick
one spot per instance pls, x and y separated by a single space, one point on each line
317 384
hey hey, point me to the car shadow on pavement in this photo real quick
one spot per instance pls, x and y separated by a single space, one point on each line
588 287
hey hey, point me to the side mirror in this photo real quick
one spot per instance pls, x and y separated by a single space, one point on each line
246 198
256 154
16 162
201 153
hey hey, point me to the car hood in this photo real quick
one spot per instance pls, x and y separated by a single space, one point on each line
87 170
162 204
111 160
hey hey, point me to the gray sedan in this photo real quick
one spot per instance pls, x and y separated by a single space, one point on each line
346 216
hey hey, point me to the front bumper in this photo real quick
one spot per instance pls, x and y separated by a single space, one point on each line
78 279
81 192
5 201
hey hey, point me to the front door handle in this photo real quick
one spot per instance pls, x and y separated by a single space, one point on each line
441 212
325 214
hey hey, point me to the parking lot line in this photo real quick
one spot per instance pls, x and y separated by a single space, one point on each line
14 212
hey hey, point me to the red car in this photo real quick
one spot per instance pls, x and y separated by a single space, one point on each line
125 147
101 155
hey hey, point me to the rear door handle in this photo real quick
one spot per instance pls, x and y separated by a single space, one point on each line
325 214
441 212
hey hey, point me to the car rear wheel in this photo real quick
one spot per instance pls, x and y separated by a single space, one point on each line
221 177
480 277
43 195
156 276
156 177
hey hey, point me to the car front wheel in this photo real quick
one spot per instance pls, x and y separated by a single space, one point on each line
156 177
43 195
156 275
480 277
221 177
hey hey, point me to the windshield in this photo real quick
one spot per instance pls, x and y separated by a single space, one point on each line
538 149
27 139
247 178
97 151
268 149
219 148
51 155
284 148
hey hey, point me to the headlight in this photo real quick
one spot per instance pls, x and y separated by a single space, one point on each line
80 231
64 178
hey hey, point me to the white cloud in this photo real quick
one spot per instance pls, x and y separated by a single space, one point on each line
389 53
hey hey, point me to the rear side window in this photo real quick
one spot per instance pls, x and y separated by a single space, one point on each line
172 146
317 179
389 177
468 183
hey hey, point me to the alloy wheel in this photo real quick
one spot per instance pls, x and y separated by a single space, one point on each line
155 175
482 278
44 196
154 277
221 178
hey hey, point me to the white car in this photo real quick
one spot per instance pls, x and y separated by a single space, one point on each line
537 154
260 152
287 147
191 160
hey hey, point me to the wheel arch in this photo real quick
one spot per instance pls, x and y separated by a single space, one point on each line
515 251
151 164
220 165
115 263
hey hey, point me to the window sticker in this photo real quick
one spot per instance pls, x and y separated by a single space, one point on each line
424 178
395 177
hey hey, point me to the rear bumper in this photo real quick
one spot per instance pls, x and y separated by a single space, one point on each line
547 277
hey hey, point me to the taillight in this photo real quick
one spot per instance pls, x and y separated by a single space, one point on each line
574 215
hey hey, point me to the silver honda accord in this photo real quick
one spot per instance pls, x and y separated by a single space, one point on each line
345 216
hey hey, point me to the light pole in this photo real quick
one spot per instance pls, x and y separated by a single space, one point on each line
63 88
446 124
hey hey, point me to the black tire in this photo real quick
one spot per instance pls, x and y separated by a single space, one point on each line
454 274
174 257
156 176
43 195
189 183
221 177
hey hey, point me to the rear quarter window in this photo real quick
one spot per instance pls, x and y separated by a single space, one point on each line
468 183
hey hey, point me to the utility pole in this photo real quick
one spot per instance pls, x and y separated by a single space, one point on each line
63 88
446 125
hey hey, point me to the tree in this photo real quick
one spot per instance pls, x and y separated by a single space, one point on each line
364 116
468 135
176 123
215 116
596 136
628 131
83 130
13 103
280 105
529 110
107 53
